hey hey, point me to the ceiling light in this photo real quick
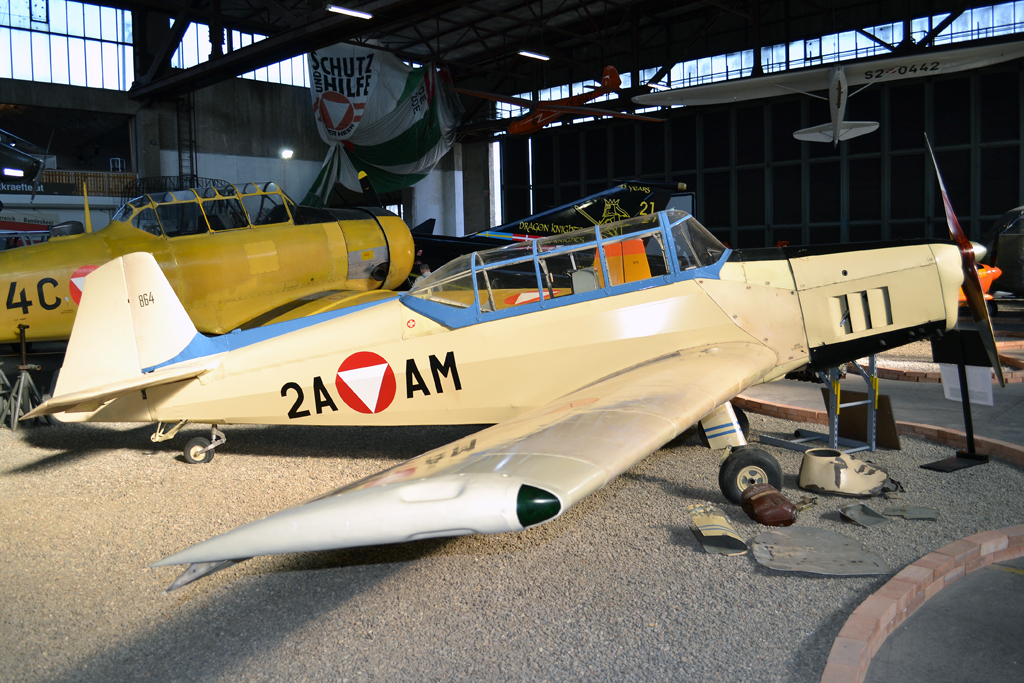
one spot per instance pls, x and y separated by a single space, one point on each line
658 86
350 12
286 154
16 172
534 55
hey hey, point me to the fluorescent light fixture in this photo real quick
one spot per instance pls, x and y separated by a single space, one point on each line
534 55
286 154
658 86
15 172
350 12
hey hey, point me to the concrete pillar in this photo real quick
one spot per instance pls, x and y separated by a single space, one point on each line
440 196
477 161
147 143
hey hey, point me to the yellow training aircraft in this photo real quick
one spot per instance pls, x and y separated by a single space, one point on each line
235 257
587 350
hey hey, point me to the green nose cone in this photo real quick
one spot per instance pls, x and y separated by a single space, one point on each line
534 505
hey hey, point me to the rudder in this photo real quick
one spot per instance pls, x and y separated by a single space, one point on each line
129 320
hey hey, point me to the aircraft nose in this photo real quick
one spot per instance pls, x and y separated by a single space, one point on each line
951 276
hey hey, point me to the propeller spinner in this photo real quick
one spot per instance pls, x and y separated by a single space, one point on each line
973 291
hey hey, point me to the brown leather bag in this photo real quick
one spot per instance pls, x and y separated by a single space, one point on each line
765 505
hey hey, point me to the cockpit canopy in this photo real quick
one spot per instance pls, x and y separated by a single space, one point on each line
198 211
630 251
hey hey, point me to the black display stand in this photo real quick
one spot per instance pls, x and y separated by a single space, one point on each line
962 348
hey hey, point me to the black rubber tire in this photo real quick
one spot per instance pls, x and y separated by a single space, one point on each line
993 309
197 444
741 417
746 466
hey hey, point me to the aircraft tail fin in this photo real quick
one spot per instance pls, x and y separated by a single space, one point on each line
611 79
824 132
129 321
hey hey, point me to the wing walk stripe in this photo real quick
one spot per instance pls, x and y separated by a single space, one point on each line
723 429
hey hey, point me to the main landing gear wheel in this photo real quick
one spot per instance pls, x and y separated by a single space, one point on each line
741 417
195 453
746 466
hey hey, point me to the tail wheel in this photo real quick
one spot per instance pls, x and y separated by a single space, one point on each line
194 454
746 466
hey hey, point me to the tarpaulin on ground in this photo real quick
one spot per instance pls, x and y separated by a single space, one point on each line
380 116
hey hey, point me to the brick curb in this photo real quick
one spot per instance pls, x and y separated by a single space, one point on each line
940 435
879 615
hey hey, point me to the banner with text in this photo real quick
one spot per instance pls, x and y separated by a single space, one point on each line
380 116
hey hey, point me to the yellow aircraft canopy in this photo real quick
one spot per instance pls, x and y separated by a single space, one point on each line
195 211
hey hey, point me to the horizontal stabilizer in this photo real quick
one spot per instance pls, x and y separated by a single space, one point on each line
89 400
847 130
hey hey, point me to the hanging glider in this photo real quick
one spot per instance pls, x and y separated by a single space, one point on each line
838 81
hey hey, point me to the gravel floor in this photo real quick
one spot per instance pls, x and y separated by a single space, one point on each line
616 589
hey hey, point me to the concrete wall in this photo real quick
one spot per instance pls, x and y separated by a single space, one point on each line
479 209
439 196
294 176
241 128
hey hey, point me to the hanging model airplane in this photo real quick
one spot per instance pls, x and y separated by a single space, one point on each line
544 112
838 80
588 350
235 256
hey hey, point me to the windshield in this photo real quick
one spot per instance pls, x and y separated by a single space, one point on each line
629 251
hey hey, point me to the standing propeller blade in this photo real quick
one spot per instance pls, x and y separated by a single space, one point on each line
973 291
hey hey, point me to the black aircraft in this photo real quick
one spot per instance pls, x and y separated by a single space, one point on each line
628 199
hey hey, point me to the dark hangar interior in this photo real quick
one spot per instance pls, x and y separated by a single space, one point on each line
754 184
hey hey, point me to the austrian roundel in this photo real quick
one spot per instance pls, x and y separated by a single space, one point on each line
366 383
77 283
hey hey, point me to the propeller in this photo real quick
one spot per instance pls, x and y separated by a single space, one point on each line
973 291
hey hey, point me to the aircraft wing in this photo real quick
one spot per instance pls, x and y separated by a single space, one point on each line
510 476
858 72
740 89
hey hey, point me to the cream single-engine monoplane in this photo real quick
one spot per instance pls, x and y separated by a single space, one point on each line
588 350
